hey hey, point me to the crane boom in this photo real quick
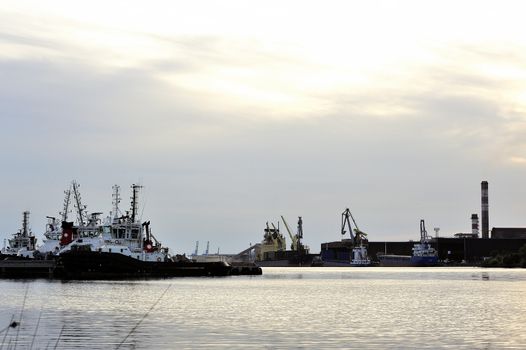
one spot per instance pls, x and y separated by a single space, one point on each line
292 237
346 223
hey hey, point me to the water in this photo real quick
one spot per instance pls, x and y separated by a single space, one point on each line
371 308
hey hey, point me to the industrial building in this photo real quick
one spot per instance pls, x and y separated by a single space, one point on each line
467 247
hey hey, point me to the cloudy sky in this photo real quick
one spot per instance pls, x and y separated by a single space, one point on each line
233 113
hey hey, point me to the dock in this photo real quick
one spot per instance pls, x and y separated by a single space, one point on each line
53 269
26 268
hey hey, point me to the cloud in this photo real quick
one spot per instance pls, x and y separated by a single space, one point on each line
230 131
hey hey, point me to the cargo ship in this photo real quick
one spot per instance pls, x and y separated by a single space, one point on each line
423 253
272 251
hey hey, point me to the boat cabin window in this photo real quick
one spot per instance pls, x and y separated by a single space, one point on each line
134 233
122 233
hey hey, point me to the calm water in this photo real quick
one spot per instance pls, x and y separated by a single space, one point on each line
460 308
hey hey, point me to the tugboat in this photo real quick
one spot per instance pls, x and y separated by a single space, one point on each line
423 253
123 247
23 243
120 247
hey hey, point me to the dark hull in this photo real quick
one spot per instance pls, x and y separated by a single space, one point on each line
100 265
85 265
406 260
289 259
14 267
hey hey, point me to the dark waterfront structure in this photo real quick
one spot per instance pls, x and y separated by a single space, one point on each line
470 250
508 233
464 247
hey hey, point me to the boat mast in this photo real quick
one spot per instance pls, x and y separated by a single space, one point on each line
25 224
67 200
116 201
81 209
135 202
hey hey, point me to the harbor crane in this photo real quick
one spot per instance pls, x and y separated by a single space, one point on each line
293 238
357 236
296 239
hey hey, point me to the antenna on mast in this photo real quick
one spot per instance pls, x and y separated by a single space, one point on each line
116 200
67 201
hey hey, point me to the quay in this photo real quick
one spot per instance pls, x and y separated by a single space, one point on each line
26 268
54 269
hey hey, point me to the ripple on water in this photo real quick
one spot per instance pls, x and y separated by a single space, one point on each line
285 308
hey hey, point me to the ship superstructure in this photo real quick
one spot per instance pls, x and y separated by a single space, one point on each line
121 234
54 227
423 253
273 242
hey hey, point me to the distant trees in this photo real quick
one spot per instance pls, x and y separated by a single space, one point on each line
507 259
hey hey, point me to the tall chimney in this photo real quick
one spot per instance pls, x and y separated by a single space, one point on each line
475 224
485 209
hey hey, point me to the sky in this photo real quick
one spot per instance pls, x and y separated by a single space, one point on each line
233 113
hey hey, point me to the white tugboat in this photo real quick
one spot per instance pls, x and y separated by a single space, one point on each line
360 257
123 247
120 234
23 242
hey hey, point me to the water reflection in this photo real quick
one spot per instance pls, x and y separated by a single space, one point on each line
285 308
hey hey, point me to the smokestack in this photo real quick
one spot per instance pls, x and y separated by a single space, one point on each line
475 224
485 209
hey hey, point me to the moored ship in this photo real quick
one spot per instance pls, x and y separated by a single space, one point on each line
120 247
272 251
423 253
23 243
356 252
